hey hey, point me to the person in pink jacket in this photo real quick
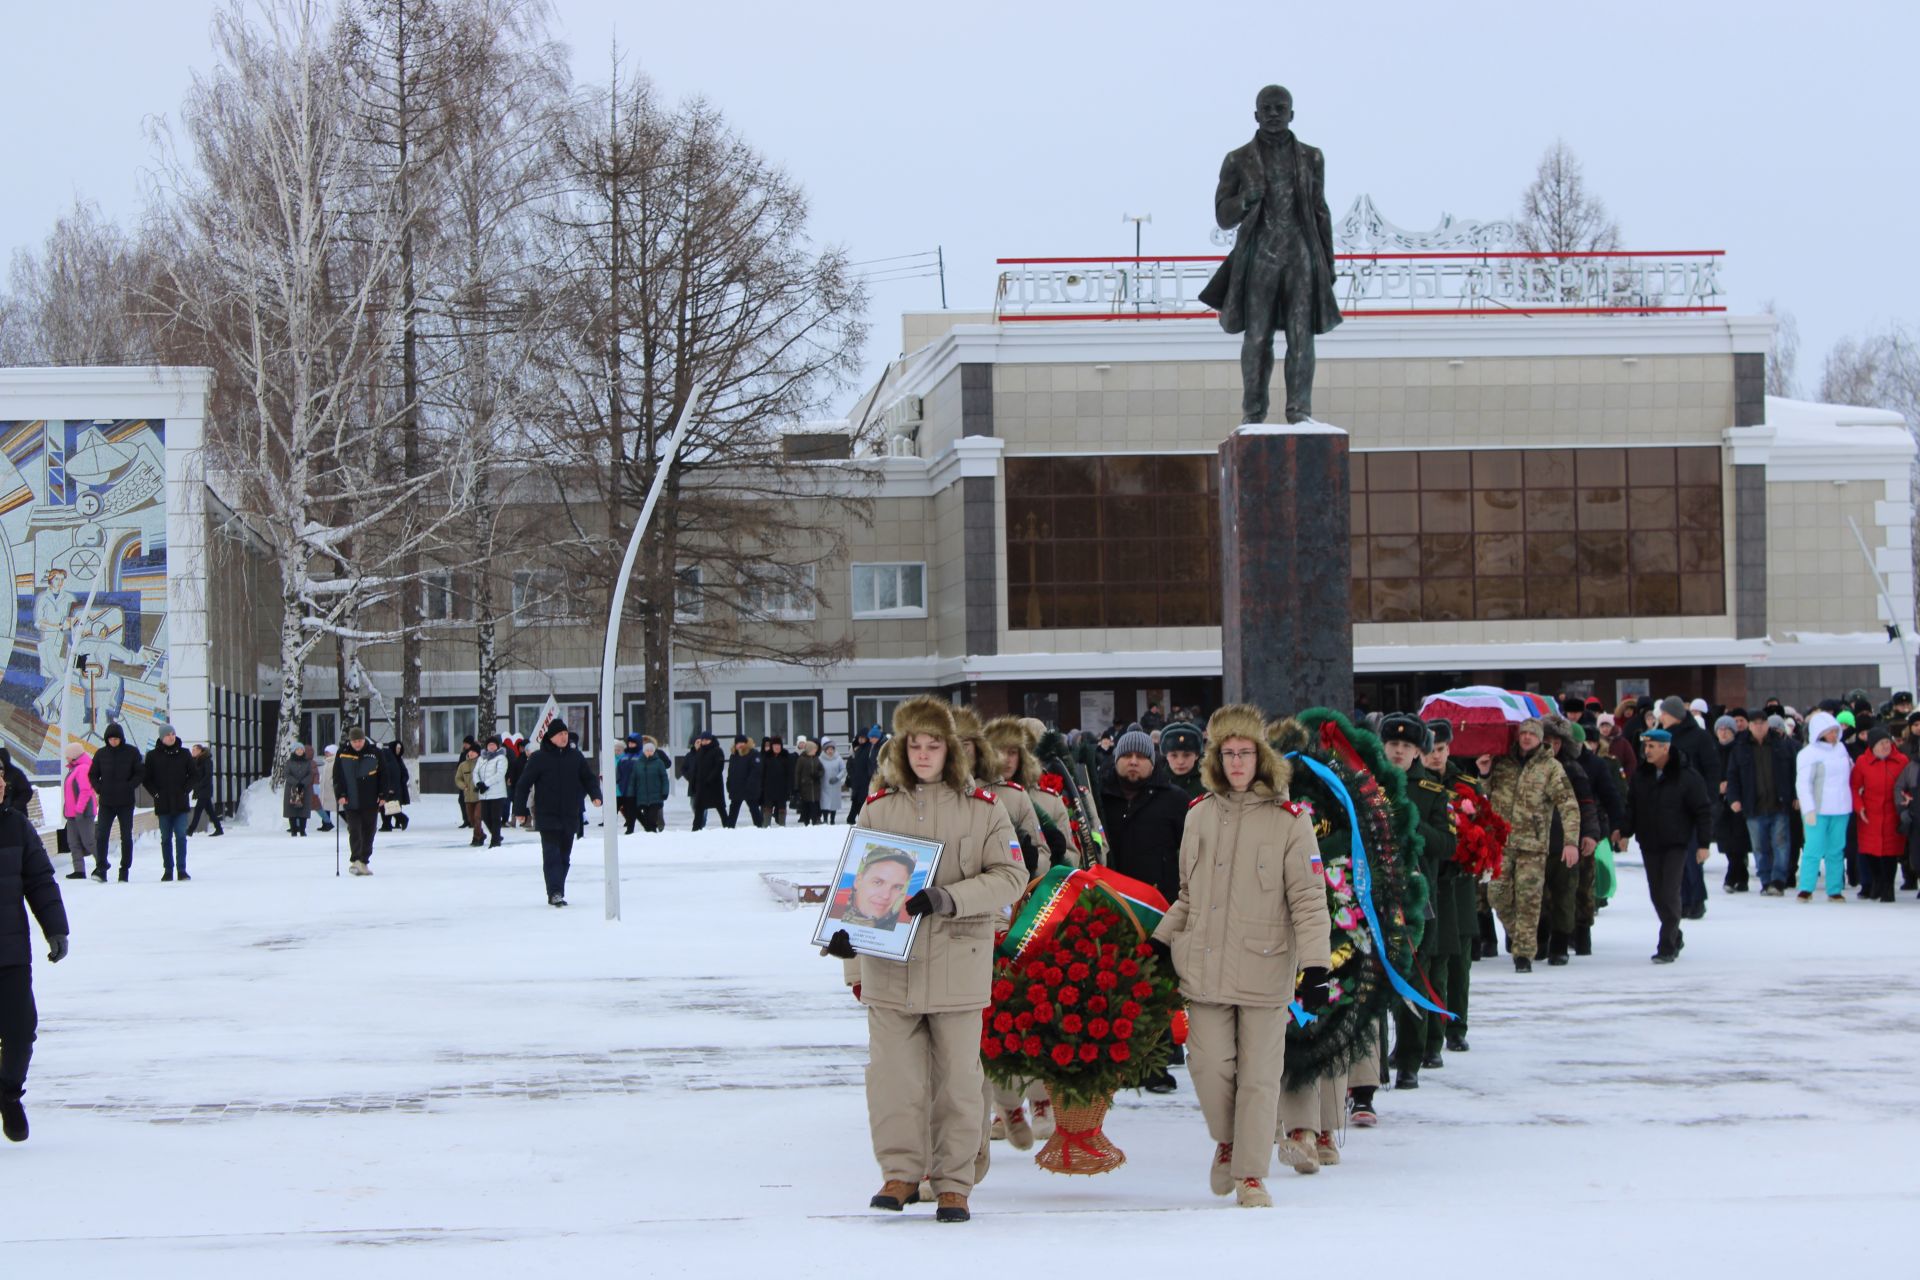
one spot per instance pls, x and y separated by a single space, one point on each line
80 807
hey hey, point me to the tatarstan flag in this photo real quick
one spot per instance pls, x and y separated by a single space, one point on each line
1062 888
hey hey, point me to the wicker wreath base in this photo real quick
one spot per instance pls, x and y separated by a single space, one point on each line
1078 1144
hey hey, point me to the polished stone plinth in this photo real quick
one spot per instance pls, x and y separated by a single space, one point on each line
1286 570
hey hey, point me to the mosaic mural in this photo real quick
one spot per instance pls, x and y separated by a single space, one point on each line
83 539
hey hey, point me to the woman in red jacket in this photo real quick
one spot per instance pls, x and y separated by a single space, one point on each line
1876 813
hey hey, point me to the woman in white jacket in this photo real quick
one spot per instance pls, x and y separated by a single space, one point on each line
1822 783
833 778
490 788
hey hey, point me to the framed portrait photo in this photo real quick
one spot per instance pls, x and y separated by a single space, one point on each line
878 872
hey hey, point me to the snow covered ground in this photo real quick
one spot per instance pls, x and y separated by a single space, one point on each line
271 1070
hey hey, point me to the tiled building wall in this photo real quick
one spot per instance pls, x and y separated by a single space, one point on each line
1817 580
1166 406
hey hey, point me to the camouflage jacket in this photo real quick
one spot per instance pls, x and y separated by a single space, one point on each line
1529 791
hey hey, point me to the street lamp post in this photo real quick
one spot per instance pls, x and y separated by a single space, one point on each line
609 774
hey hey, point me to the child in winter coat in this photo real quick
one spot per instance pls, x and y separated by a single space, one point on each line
80 807
1823 783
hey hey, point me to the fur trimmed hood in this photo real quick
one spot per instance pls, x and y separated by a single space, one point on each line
930 715
1009 733
1241 720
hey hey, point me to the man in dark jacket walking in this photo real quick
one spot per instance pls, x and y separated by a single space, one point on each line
1695 748
776 780
203 792
1760 792
26 881
743 783
626 783
359 789
1669 811
1145 816
115 774
706 780
169 773
860 771
560 781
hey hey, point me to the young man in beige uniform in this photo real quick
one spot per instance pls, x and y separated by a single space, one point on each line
1249 925
924 1082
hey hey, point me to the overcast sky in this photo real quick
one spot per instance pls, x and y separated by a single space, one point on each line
1780 132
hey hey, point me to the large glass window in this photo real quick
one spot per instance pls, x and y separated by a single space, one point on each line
447 727
889 590
1113 541
779 593
788 718
875 709
1444 536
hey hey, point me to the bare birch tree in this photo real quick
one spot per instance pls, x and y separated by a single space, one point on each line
271 277
79 299
1783 352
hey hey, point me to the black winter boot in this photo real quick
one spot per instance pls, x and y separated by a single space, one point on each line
1522 964
1557 949
13 1118
1583 940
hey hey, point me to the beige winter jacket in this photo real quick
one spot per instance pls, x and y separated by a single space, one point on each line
950 969
1252 910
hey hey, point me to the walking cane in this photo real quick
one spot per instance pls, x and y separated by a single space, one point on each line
336 847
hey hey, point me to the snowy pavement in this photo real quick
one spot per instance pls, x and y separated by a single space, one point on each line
431 1072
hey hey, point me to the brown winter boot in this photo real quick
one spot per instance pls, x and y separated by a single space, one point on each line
952 1208
895 1196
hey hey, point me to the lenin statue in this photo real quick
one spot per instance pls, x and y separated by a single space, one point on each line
1280 272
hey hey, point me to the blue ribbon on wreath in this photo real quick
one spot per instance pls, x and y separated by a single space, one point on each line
1363 884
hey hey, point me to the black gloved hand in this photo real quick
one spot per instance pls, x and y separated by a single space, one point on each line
840 946
930 901
1162 952
1312 990
56 948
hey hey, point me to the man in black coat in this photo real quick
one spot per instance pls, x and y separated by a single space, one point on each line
1670 812
1760 792
561 781
26 881
203 792
169 773
1694 747
706 780
115 774
1145 816
866 757
359 788
743 783
776 780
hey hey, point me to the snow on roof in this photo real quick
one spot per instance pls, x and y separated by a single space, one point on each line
1782 412
1804 427
819 427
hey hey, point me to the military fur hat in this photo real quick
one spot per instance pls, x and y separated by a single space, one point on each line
928 715
1241 720
1441 731
1181 736
1007 733
966 724
1401 727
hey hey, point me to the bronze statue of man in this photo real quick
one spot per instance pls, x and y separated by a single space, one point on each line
1280 272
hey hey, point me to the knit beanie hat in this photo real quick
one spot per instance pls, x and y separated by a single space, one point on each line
1133 743
1673 707
1724 722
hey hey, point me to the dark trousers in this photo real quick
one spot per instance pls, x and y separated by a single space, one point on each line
753 811
109 812
1450 982
1693 884
361 825
629 813
701 811
392 821
204 807
853 806
18 1022
556 858
494 812
776 814
1410 1025
653 818
1881 872
1666 870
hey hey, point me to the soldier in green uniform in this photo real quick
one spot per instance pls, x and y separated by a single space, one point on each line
1530 790
1560 917
1406 739
1454 904
1465 897
1182 744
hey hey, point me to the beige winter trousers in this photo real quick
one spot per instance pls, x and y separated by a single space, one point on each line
1320 1108
1235 1055
924 1096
